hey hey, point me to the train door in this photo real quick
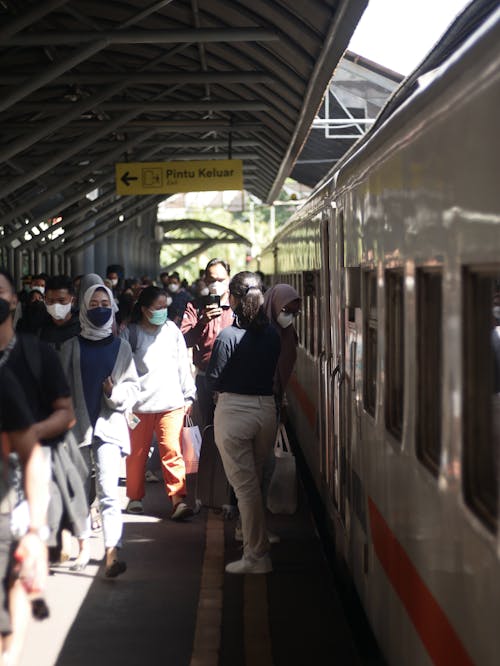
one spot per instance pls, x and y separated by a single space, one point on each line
338 435
325 356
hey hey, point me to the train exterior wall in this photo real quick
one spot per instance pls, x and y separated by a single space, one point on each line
418 201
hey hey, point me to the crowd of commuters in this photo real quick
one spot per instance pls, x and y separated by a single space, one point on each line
92 369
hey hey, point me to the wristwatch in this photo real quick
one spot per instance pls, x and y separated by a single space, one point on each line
42 533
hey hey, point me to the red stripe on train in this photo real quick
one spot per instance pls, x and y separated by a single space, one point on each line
308 407
437 634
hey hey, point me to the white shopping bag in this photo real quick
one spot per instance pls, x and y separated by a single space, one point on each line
282 493
190 445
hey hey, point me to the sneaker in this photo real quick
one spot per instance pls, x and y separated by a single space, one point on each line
250 565
181 511
135 506
151 477
238 535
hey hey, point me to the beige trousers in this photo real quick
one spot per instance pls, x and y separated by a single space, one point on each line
245 429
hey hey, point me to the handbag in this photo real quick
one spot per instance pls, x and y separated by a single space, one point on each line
190 445
282 492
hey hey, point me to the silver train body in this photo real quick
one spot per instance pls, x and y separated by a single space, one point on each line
393 400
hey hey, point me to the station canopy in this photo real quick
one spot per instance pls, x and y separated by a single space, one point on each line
85 84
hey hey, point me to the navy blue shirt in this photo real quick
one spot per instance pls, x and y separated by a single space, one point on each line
244 361
97 360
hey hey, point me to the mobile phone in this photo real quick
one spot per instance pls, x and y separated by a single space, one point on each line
211 299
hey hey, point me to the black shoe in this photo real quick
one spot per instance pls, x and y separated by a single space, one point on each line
115 569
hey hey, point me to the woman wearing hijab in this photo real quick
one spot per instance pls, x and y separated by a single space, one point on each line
104 385
282 305
86 281
241 371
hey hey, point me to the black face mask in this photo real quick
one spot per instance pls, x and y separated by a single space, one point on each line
4 310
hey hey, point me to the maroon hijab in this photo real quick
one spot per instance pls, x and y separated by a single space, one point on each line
275 299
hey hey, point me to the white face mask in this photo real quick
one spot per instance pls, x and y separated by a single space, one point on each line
173 287
169 301
204 291
59 310
39 289
496 311
114 282
285 319
218 288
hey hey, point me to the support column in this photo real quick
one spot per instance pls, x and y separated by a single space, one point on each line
101 257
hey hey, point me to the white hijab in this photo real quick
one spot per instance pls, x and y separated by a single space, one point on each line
89 331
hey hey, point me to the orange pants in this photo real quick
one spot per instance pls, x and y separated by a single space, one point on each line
168 428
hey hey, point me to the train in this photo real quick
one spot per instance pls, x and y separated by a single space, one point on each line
395 396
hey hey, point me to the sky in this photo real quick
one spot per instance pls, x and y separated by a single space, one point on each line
399 33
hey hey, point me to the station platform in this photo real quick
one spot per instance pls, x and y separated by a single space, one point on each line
175 605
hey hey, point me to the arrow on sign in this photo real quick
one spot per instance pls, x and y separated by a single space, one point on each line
127 179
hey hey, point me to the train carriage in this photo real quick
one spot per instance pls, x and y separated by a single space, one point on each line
394 400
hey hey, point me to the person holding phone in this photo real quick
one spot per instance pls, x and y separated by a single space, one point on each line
202 323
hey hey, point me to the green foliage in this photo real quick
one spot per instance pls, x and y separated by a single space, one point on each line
253 223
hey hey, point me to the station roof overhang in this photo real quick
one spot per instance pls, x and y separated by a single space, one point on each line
86 83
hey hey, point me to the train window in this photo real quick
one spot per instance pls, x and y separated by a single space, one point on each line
429 367
300 319
394 351
481 394
370 325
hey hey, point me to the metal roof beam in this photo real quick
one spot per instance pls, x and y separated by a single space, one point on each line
206 143
50 74
69 180
199 36
190 255
152 107
188 241
40 10
163 126
346 17
134 209
61 120
73 149
138 78
170 225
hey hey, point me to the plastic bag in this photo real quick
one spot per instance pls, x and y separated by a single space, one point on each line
282 492
191 445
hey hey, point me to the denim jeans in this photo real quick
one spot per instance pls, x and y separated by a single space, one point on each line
106 458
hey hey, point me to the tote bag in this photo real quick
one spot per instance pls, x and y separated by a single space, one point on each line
282 493
191 445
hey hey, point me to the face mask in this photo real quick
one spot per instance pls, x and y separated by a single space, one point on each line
99 316
158 317
169 300
173 287
4 310
59 310
37 288
204 291
218 288
285 319
114 282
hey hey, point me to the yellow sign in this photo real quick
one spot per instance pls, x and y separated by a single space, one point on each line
173 177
